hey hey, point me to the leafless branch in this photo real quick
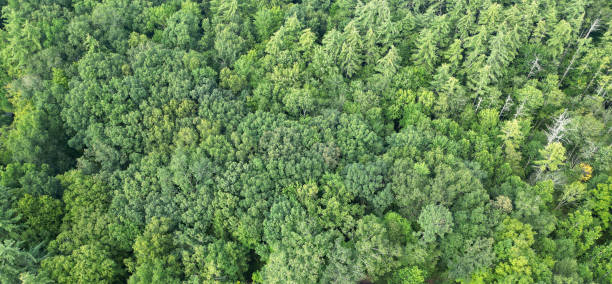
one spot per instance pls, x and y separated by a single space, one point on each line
556 130
535 67
507 105
593 27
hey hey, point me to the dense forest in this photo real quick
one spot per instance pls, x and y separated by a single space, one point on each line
313 141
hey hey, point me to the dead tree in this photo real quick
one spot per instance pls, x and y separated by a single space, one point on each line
478 104
535 67
557 129
519 110
506 107
593 27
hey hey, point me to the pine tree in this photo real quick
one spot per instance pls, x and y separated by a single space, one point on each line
513 137
559 39
453 55
389 64
503 50
386 68
426 53
476 49
350 53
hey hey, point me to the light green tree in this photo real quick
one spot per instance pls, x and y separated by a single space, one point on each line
435 221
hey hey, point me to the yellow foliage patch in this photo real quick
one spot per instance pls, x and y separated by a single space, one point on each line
587 172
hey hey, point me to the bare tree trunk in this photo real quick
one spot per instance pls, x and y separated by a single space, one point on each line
592 28
601 89
554 134
478 104
519 111
534 66
556 131
565 50
506 106
591 82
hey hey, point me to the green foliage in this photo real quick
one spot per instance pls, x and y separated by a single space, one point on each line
35 138
579 227
412 275
311 141
155 259
426 55
224 261
266 21
375 252
553 156
41 216
82 250
600 201
14 262
572 193
516 259
87 264
435 220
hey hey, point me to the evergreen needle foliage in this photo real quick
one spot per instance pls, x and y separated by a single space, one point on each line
306 141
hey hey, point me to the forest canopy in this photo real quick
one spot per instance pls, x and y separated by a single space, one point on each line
306 141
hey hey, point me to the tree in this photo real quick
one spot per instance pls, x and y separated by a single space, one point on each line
560 37
267 21
516 259
454 54
581 228
553 156
343 265
557 130
16 263
87 264
386 67
375 253
599 201
82 250
451 94
228 44
308 141
477 255
593 27
412 275
435 220
41 215
426 54
225 261
156 260
350 53
601 265
38 139
367 184
513 136
9 220
529 99
182 27
297 246
572 193
300 101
